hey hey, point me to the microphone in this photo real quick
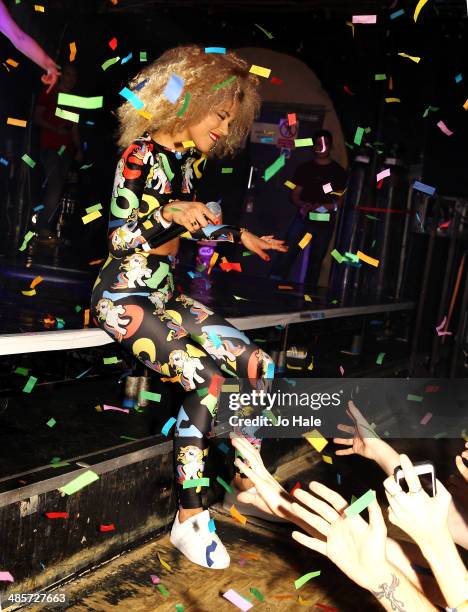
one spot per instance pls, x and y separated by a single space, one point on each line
177 230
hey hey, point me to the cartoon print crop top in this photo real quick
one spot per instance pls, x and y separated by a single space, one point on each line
147 177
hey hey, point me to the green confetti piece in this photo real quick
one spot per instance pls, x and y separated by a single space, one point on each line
185 104
430 109
110 62
380 358
259 340
89 103
196 482
61 150
85 166
303 142
358 135
360 504
227 170
300 582
224 83
51 422
268 34
28 387
367 130
442 434
67 115
314 216
372 217
22 371
414 398
224 484
158 276
109 360
143 56
380 77
153 397
77 308
337 256
179 608
352 257
55 460
59 464
91 209
129 438
274 167
334 302
269 415
163 590
202 392
256 593
26 239
79 482
246 253
28 160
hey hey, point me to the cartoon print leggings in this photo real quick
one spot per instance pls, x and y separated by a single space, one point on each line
134 300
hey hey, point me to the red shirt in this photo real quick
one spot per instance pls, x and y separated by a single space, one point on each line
48 138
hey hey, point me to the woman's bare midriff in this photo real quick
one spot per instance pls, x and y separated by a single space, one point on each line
168 248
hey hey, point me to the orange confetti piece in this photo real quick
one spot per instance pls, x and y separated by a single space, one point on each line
36 281
17 122
72 46
86 318
370 260
280 597
12 62
237 515
284 287
253 556
95 262
213 260
465 106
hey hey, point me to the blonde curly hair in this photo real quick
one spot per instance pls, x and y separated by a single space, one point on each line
202 73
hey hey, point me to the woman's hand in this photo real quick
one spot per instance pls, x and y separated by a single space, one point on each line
355 546
422 517
260 245
52 74
460 463
192 215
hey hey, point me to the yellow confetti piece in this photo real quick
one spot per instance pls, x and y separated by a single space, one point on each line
316 439
305 240
418 8
39 8
36 281
391 100
164 564
465 106
91 217
327 459
411 57
145 114
260 71
307 297
98 408
72 46
29 293
237 515
311 365
290 367
12 62
351 25
17 122
188 143
213 260
67 115
370 260
290 184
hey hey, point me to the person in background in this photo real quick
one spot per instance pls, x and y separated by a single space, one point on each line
60 145
317 185
29 47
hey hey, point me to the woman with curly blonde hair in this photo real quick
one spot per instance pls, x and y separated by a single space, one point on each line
186 106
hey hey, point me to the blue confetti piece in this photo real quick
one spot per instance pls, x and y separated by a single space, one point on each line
84 373
211 525
132 98
191 274
167 426
290 381
128 403
424 188
215 49
338 479
396 14
127 59
3 161
266 139
174 88
270 371
140 85
459 78
224 448
38 208
89 123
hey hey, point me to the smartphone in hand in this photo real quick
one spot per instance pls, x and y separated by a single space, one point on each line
426 473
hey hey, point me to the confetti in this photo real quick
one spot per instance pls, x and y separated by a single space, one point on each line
305 240
424 188
380 358
260 71
276 81
458 78
289 184
127 58
439 329
327 459
79 482
238 600
174 88
91 217
72 47
28 387
418 8
364 18
383 174
224 83
414 398
314 216
132 98
397 14
164 563
179 607
300 582
411 57
29 292
107 407
153 397
12 63
392 100
227 170
347 90
28 160
316 439
360 504
337 256
51 422
465 105
18 122
426 418
39 8
196 482
303 142
109 360
6 577
256 593
80 101
341 370
163 590
224 483
443 128
91 209
292 119
184 105
110 527
380 77
268 34
67 115
237 515
215 49
358 135
143 56
370 260
274 167
110 62
55 515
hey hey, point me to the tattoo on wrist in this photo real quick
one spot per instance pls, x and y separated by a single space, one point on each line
387 591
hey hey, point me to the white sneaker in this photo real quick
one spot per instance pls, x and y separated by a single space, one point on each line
200 545
230 499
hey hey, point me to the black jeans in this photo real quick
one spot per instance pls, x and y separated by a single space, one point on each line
321 231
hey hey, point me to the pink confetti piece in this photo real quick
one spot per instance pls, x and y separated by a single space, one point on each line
426 418
237 600
155 579
341 370
440 327
106 407
292 119
327 188
242 561
441 125
383 174
364 18
6 577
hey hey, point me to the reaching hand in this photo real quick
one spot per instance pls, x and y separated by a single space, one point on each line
192 215
364 441
355 546
52 74
461 464
260 245
422 517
